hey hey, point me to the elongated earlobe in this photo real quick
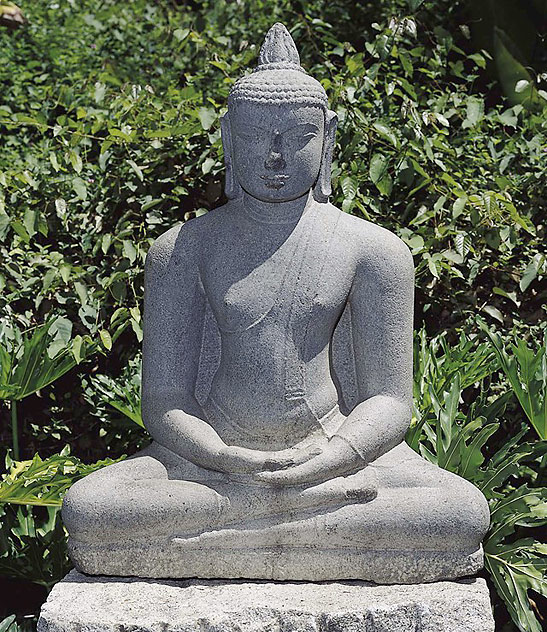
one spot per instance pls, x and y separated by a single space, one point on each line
323 188
231 185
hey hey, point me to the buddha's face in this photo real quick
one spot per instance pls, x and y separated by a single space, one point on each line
277 149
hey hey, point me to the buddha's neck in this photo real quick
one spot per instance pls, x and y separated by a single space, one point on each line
275 212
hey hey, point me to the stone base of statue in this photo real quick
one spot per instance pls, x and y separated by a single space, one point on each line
108 604
299 563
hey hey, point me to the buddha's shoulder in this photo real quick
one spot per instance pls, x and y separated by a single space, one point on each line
182 241
371 242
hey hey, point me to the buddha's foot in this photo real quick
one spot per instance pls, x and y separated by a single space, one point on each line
173 558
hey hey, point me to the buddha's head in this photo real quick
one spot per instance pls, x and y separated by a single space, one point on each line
278 133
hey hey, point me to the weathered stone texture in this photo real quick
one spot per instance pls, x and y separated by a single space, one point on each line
277 381
102 604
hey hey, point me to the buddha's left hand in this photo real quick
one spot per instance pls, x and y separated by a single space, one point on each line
336 459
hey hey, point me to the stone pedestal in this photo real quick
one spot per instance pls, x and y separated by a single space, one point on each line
107 604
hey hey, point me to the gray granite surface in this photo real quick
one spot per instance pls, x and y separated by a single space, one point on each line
277 381
101 604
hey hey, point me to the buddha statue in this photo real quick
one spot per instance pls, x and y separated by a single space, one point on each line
277 381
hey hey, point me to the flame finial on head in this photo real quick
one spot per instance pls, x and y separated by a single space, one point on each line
279 48
278 78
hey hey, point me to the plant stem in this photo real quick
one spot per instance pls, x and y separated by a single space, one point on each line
14 429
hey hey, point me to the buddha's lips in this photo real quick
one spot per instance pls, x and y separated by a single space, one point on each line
275 181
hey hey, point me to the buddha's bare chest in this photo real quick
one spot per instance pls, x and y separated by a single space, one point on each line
270 280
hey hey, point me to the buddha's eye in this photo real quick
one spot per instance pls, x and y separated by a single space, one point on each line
300 135
301 139
250 135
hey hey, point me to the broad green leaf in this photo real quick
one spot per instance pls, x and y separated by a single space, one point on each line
129 250
151 204
20 229
349 187
378 172
100 90
136 169
471 455
378 167
135 313
76 161
80 188
65 270
207 117
521 85
32 368
531 271
414 4
494 312
386 132
44 482
30 221
514 570
475 111
508 117
181 34
517 566
61 328
207 165
123 393
521 366
81 292
77 348
478 59
9 624
462 243
106 240
458 206
135 325
512 72
106 339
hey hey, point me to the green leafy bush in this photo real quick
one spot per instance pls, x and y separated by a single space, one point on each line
461 423
31 532
109 134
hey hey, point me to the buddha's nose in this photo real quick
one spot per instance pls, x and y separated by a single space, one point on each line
274 159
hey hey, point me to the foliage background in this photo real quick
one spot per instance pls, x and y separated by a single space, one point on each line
109 134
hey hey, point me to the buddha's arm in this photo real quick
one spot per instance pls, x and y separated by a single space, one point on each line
173 321
381 303
174 306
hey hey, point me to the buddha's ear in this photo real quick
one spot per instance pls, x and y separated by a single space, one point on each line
232 187
323 187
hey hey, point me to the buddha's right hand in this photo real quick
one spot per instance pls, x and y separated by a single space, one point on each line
238 460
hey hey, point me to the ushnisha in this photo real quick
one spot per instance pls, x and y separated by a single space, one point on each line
277 381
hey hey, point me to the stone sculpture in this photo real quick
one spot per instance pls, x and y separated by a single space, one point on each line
277 381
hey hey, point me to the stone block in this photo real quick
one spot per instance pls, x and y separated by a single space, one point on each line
108 604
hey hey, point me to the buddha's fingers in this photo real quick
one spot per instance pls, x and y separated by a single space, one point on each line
337 459
290 458
359 488
305 455
238 460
